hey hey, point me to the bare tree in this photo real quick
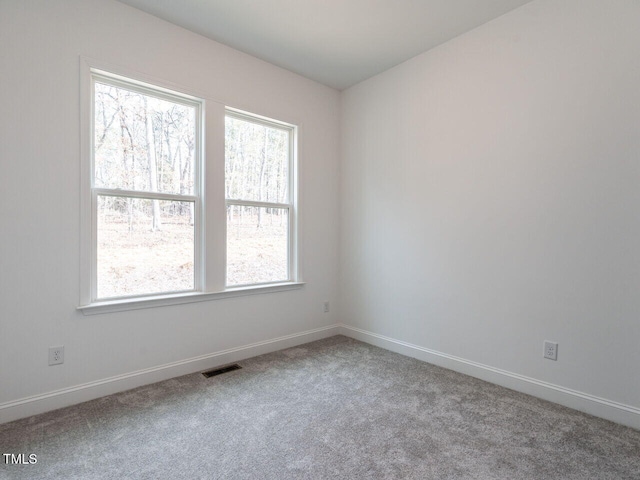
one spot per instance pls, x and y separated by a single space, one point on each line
153 165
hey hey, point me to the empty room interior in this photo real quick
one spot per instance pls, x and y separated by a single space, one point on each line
402 237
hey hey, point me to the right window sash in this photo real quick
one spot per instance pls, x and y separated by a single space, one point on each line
260 200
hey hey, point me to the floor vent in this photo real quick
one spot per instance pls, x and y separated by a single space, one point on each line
221 370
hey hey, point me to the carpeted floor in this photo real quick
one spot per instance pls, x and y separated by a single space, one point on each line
336 408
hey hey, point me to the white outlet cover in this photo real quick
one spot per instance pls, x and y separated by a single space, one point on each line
56 355
550 350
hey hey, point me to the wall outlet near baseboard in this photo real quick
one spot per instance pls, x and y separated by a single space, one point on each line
326 307
56 355
550 350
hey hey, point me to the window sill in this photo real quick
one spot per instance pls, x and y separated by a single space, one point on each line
110 306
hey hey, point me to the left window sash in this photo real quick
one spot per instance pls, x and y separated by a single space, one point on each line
145 189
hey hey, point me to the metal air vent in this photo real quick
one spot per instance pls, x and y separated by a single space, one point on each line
221 370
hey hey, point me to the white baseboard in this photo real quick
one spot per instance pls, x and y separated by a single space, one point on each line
599 407
25 407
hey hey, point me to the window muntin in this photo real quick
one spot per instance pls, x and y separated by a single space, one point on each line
259 191
146 204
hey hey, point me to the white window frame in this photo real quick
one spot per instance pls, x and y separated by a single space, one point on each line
290 206
150 90
210 250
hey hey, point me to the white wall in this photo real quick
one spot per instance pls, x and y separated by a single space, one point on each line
40 46
491 200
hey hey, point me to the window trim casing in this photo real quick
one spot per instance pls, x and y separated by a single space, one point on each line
212 150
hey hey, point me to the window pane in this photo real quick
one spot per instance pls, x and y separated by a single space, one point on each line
257 245
142 142
256 161
144 246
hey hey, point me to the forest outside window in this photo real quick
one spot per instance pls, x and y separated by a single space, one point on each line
259 189
145 190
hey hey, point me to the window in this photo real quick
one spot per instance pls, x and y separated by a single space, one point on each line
259 200
145 190
155 229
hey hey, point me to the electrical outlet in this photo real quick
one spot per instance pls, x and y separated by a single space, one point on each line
326 307
550 350
56 355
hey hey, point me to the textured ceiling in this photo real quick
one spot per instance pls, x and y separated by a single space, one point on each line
335 42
